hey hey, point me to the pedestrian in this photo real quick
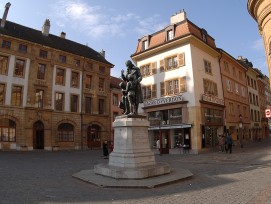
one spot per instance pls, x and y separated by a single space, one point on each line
229 143
221 142
105 150
158 147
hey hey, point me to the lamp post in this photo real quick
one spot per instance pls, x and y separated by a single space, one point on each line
241 130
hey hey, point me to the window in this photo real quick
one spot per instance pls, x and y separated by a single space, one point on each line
210 87
171 63
231 109
59 101
145 70
162 89
16 96
207 67
3 65
19 68
233 71
176 86
252 116
76 62
154 91
153 67
88 104
236 88
115 100
102 69
39 98
62 58
204 37
101 106
60 76
7 130
43 54
88 81
248 80
41 71
101 84
170 35
226 66
89 66
228 82
22 48
175 116
250 98
243 91
146 92
240 75
144 45
162 67
65 132
6 44
74 103
75 79
2 94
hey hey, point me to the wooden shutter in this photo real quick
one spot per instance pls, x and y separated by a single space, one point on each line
153 91
183 84
162 66
181 61
153 67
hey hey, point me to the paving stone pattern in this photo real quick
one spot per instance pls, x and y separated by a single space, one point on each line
242 177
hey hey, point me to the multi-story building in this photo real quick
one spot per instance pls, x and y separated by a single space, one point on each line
181 85
54 93
262 103
253 92
233 77
116 95
260 10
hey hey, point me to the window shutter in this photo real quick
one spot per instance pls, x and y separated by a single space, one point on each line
153 90
183 84
142 71
162 89
162 66
181 61
153 67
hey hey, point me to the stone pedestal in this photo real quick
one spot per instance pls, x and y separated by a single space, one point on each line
132 157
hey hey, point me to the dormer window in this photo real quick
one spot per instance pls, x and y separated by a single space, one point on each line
204 35
145 45
145 42
169 35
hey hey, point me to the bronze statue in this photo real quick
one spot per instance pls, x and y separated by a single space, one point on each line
131 89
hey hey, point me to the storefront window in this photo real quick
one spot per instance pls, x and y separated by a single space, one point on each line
213 116
175 116
178 138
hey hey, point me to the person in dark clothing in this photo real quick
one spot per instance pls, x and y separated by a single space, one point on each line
105 149
229 143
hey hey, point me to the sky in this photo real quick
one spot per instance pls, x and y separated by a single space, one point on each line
116 25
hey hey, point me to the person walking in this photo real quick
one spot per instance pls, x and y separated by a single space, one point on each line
221 142
229 142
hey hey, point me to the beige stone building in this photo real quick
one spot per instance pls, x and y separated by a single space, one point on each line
260 10
54 92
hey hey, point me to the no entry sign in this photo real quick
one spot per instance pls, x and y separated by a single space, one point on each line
268 113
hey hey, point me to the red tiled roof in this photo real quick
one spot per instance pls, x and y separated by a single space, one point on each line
182 29
114 82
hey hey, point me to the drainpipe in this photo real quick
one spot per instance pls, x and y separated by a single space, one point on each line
219 62
82 99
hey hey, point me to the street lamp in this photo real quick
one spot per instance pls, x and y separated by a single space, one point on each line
240 130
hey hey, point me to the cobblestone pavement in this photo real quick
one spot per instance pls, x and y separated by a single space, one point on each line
46 177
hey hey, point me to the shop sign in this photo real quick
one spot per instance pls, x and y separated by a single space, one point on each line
212 99
165 100
268 113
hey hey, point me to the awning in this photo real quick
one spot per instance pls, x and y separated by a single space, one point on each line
166 127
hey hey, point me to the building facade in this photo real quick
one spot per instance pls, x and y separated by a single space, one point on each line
54 93
237 110
260 10
181 86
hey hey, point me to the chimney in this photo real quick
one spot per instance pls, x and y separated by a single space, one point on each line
63 35
3 21
103 53
178 17
46 27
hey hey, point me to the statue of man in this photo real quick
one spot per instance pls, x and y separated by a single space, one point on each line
132 77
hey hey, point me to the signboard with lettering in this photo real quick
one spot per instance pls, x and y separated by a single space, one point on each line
212 99
165 100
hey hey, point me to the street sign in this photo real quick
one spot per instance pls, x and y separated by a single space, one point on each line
268 113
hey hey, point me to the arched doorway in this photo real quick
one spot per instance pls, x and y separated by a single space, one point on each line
94 136
38 135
